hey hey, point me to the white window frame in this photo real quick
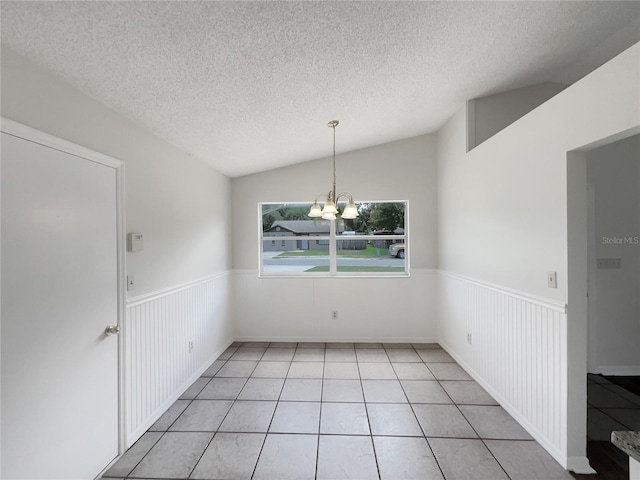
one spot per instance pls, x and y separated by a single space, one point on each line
333 239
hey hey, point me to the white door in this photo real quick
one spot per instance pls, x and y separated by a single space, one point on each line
59 292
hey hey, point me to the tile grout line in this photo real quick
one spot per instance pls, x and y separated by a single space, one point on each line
136 465
190 400
264 440
255 467
416 416
279 400
366 411
172 423
215 433
473 428
315 473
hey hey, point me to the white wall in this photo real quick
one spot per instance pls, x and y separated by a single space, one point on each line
486 116
177 202
614 294
502 222
376 308
502 206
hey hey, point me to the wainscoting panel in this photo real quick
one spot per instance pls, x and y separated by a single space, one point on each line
158 362
394 309
514 345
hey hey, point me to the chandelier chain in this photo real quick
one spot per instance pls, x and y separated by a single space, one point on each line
330 209
333 126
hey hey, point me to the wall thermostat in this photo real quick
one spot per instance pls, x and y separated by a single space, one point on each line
135 242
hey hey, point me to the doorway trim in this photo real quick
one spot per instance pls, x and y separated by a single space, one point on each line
24 132
578 305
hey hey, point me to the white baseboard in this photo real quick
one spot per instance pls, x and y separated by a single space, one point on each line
337 339
634 469
622 371
580 465
558 455
132 437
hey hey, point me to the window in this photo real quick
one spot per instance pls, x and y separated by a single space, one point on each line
374 244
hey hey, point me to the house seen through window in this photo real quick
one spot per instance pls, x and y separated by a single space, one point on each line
373 244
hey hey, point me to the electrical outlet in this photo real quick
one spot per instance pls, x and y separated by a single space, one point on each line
334 315
469 338
190 346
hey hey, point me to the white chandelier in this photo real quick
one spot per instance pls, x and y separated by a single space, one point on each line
330 209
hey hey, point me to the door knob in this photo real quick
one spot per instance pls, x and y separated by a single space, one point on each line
112 330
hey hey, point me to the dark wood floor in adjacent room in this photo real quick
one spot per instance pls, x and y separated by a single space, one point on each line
609 462
606 459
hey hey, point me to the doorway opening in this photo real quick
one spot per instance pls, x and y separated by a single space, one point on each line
604 294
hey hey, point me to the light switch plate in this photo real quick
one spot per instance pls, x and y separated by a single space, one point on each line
552 280
609 263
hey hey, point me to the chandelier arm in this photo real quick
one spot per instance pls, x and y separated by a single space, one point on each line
321 195
346 195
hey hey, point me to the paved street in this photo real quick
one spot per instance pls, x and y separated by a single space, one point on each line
274 263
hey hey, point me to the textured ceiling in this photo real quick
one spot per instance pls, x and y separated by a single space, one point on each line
250 86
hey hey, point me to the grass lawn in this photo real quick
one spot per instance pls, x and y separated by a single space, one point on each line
370 251
358 269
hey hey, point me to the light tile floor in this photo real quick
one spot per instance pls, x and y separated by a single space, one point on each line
336 411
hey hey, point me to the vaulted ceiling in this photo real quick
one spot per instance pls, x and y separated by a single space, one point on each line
250 86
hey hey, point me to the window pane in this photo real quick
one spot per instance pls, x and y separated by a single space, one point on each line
372 256
379 218
367 256
279 219
298 256
294 243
